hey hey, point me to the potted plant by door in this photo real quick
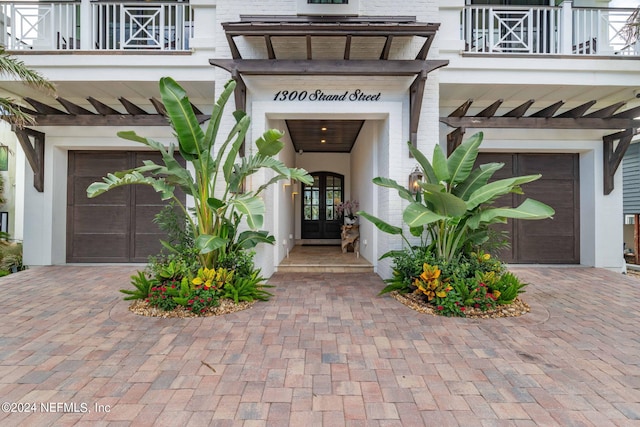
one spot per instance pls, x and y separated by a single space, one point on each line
347 210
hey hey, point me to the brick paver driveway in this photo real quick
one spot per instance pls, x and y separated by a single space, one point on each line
324 351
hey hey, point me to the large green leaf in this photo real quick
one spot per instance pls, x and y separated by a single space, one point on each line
119 179
250 238
206 243
446 204
252 207
529 209
424 163
417 214
269 144
183 119
479 177
216 114
440 167
241 128
382 226
460 162
391 183
491 191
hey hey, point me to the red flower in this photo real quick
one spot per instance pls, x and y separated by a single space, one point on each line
476 305
190 301
440 308
463 308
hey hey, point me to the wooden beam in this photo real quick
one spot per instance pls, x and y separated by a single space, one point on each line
33 152
240 95
416 93
102 108
286 67
520 110
539 123
347 47
607 111
549 111
159 106
454 139
613 156
128 120
42 108
424 51
74 108
462 110
386 49
271 54
235 53
628 114
577 112
131 107
490 111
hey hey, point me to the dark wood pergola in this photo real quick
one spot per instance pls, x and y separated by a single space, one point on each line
307 28
625 123
32 141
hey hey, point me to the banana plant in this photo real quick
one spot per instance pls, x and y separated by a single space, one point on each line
454 204
216 189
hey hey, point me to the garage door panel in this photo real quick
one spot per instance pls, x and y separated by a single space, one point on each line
549 165
144 219
146 245
100 219
550 250
116 226
113 197
543 241
99 164
101 248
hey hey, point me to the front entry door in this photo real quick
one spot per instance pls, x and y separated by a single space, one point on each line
320 200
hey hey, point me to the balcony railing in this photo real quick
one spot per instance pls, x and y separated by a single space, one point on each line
548 30
104 25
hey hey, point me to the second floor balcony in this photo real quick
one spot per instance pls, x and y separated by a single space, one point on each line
546 30
92 25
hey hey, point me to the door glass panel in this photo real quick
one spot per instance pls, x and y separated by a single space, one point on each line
319 207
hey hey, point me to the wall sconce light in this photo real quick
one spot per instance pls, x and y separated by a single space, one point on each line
415 177
295 189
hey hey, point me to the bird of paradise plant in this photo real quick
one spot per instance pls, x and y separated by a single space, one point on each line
454 204
218 209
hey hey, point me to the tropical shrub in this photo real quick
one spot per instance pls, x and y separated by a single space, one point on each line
142 285
207 251
248 289
218 209
452 210
451 213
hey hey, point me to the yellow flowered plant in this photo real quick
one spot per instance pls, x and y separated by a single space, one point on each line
481 256
209 277
429 282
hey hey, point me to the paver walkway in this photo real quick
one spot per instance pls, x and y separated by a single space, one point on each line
324 351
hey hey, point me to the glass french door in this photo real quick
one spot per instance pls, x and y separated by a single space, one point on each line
320 219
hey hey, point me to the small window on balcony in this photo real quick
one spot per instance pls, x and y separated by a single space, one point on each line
327 7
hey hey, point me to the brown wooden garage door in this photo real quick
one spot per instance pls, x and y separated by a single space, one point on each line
550 241
115 226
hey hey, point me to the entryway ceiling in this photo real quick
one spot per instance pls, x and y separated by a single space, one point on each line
324 136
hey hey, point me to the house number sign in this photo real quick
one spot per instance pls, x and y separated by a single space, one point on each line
319 95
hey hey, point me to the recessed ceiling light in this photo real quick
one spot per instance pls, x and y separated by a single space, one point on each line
322 141
323 129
